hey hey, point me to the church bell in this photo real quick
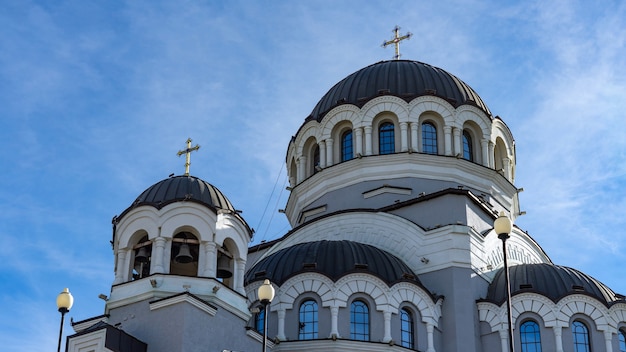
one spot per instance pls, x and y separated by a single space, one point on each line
142 255
223 267
184 255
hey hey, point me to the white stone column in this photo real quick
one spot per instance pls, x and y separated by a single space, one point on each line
608 339
504 339
302 169
492 162
281 324
122 267
414 142
159 253
368 140
329 152
506 165
387 333
430 330
484 145
334 314
322 147
458 143
447 140
240 270
558 338
210 255
358 132
404 137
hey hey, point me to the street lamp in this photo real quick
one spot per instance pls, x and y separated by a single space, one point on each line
503 227
266 295
64 303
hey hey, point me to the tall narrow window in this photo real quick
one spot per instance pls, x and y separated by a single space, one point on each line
622 340
346 146
316 159
580 334
429 138
530 336
359 321
259 321
386 141
308 320
468 152
407 332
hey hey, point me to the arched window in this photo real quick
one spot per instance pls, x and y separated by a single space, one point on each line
259 320
468 150
530 336
143 256
580 334
622 340
406 329
308 320
316 160
359 321
386 140
429 138
346 146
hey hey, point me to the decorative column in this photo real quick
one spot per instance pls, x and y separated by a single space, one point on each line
240 269
159 252
329 152
430 330
334 314
322 147
302 169
492 162
358 132
281 324
210 255
506 165
387 334
404 137
414 145
558 331
458 144
122 268
484 145
447 140
504 338
608 339
368 140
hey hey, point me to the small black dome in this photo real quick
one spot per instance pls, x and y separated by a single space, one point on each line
402 78
552 281
333 259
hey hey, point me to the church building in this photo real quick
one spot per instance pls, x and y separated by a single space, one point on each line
396 178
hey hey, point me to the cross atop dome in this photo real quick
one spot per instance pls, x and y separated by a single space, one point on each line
187 153
396 41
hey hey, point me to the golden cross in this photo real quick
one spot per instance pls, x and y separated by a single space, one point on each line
188 155
396 40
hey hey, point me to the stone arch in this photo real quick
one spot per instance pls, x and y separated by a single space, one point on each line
377 122
348 113
367 284
387 103
430 311
423 104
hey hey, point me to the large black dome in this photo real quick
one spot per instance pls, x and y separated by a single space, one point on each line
552 281
333 259
401 78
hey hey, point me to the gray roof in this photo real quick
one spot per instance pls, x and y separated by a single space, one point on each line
551 281
333 259
402 78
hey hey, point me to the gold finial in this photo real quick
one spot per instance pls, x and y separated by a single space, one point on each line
396 40
188 155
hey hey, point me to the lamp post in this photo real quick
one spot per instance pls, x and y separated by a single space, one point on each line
503 227
64 303
266 295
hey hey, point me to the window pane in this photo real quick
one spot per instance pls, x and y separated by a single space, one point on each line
429 138
622 341
308 320
581 337
386 139
407 334
346 146
468 153
530 337
259 321
359 321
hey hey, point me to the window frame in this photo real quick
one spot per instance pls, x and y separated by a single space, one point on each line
585 345
304 323
386 138
409 333
468 145
525 335
429 138
347 147
359 329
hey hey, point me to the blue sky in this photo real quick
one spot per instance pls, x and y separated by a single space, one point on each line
96 98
